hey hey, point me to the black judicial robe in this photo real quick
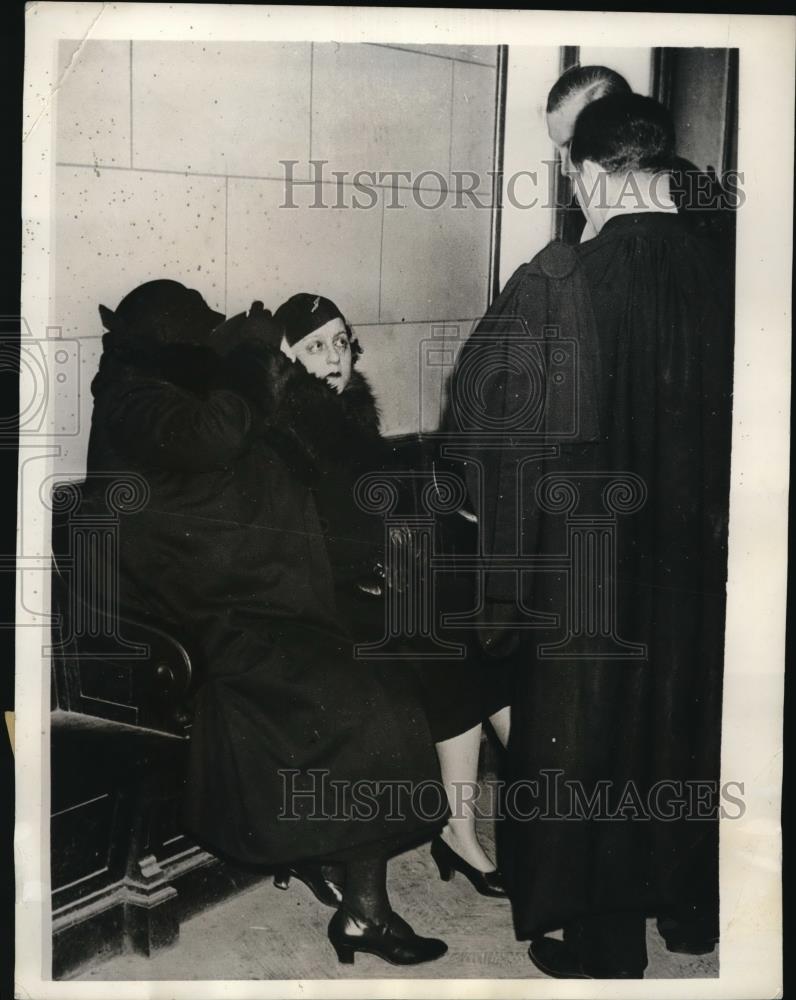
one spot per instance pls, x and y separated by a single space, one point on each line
648 305
229 552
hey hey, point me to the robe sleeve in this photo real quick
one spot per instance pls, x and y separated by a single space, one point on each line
531 371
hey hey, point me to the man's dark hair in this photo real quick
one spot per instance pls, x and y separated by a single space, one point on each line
624 132
593 81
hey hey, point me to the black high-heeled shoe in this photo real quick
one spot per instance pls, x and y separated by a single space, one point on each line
448 862
394 941
325 889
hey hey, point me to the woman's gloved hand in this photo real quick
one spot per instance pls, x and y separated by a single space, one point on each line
257 368
255 328
392 577
373 583
260 328
401 544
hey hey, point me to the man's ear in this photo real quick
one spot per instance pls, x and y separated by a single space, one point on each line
591 172
107 316
589 183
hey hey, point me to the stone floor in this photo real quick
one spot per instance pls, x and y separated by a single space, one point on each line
264 933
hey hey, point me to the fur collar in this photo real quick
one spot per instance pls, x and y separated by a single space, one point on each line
313 427
324 428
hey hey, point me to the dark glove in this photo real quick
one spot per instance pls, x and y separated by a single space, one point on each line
259 328
255 329
496 634
401 541
257 367
370 588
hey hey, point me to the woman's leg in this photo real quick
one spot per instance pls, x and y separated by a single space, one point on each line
458 759
366 922
501 723
365 890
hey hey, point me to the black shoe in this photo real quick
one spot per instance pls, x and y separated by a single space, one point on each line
689 946
394 940
325 889
688 937
448 862
557 959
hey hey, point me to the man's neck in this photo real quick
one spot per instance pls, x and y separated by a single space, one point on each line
638 192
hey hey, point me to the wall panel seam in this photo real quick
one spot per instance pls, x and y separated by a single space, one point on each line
430 55
243 177
381 257
450 121
312 84
131 103
226 240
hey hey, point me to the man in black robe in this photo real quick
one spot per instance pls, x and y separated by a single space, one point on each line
608 365
698 195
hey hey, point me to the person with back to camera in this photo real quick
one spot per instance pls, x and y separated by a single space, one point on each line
229 552
698 196
461 699
646 302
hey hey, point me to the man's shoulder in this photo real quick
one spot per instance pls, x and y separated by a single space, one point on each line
557 261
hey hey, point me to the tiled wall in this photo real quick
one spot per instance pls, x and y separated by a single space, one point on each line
168 165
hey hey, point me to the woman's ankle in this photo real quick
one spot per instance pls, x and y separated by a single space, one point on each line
462 839
372 911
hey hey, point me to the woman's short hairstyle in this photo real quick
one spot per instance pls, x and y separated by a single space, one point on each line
624 132
592 81
356 348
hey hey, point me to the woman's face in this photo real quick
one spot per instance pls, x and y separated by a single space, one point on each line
326 353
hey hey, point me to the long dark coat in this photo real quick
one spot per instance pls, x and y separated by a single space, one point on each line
335 439
230 551
646 304
343 436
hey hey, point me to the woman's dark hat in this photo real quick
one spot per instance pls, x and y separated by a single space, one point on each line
304 313
162 311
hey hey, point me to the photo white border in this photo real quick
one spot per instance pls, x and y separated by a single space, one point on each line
751 937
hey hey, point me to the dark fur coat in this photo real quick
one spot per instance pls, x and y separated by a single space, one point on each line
232 551
328 440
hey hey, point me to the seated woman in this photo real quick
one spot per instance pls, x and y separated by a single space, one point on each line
335 417
295 748
342 429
